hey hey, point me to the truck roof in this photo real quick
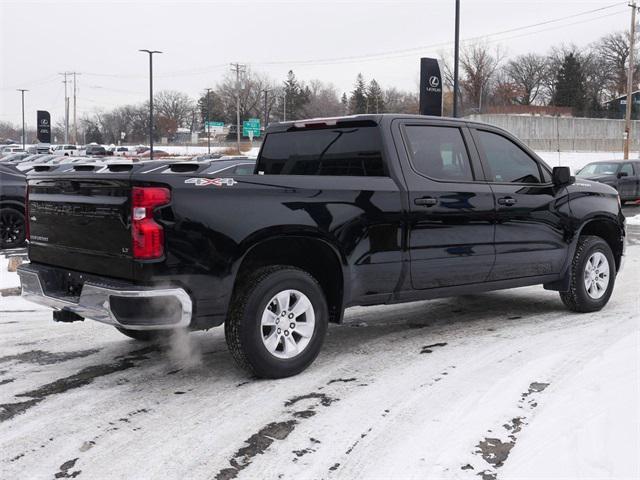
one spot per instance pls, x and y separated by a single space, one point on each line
373 119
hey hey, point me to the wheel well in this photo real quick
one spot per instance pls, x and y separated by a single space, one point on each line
15 205
610 233
312 255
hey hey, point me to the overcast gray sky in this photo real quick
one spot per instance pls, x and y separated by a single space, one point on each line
331 40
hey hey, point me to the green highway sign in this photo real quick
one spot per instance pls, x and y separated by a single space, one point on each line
214 127
251 128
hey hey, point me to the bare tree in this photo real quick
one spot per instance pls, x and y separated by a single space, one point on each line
478 65
324 100
613 50
527 74
174 106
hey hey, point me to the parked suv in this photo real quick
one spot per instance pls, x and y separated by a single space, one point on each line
361 210
66 150
623 175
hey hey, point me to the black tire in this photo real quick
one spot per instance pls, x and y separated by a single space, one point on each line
145 335
243 330
13 230
577 298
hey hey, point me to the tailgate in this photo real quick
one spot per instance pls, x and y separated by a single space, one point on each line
79 218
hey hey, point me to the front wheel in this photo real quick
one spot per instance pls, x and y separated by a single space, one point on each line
277 322
593 274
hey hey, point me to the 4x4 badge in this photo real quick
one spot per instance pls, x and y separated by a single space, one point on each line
216 182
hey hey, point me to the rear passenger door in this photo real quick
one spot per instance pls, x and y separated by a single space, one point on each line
450 229
529 238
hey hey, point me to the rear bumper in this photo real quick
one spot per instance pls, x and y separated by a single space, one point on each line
117 303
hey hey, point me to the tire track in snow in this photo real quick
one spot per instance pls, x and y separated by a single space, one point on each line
84 377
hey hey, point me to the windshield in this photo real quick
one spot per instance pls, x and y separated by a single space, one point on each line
599 169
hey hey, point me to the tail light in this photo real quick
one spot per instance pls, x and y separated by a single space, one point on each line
146 235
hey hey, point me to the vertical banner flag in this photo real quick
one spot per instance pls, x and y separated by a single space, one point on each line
430 87
44 126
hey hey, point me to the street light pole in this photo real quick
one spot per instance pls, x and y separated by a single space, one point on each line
22 90
456 58
150 52
208 122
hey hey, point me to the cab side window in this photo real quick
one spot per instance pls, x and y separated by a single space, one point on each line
507 162
439 152
627 168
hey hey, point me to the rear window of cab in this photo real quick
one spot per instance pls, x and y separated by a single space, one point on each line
340 151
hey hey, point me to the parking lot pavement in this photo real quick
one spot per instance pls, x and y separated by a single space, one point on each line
505 383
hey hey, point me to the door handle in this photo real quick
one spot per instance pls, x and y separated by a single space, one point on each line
425 201
508 201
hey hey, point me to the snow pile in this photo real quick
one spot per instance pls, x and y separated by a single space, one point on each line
635 220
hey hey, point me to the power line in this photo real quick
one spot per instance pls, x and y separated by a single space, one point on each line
397 52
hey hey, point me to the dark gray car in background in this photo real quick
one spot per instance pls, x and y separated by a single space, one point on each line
623 175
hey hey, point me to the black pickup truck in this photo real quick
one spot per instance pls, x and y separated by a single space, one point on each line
358 210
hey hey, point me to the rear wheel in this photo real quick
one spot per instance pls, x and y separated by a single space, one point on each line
593 273
12 228
277 322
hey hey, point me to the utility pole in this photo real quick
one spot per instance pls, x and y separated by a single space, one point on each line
266 111
284 103
75 125
238 68
632 38
66 107
208 121
150 52
22 90
456 60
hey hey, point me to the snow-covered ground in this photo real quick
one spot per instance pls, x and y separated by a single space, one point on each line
506 383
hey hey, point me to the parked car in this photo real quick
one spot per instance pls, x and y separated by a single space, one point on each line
13 188
95 151
66 150
156 154
10 150
34 160
15 157
361 210
623 175
121 151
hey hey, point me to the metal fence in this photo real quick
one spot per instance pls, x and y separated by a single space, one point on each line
546 133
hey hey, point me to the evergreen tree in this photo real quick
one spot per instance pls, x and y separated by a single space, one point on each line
375 99
358 100
296 96
570 89
344 101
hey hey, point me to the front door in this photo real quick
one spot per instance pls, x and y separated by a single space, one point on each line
627 181
529 237
451 207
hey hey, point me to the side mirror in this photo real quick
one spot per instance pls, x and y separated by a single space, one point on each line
622 174
562 176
